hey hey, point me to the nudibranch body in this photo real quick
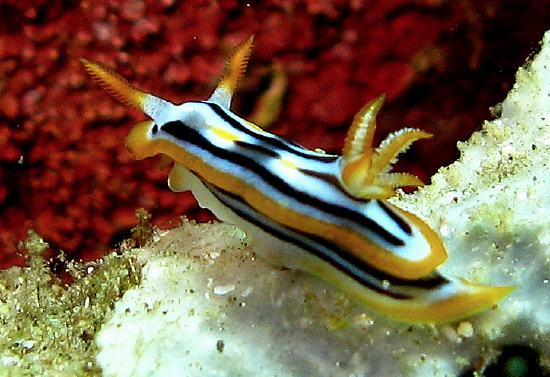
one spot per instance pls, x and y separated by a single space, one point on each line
327 213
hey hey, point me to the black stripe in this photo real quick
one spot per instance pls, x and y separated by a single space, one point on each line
272 141
334 182
351 266
260 149
187 134
396 218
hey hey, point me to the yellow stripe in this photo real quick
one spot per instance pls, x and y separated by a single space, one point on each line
358 245
468 300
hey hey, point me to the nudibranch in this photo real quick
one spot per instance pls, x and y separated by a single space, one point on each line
326 213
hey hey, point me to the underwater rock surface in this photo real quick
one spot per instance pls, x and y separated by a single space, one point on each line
207 306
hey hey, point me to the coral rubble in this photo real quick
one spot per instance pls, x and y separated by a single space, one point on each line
51 310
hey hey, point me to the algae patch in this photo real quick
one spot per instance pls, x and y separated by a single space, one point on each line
51 310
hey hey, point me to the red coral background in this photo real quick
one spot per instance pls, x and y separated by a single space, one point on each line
65 173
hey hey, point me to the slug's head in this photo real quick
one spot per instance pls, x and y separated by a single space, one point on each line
141 140
145 139
171 125
169 134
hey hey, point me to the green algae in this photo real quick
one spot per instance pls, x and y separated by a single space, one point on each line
51 310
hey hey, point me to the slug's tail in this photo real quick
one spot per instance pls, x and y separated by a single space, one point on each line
437 299
453 301
457 300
